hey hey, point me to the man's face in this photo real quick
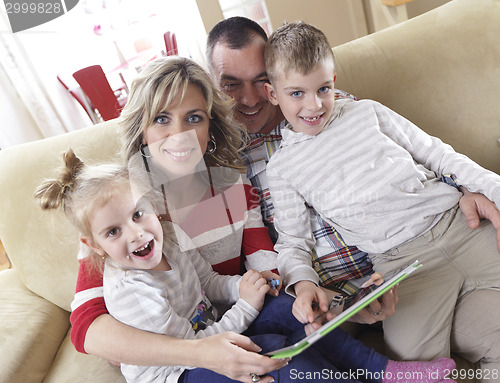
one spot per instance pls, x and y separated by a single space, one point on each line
241 74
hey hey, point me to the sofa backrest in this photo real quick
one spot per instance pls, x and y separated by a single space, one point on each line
43 245
440 70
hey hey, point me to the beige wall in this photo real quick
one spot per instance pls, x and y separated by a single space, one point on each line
340 20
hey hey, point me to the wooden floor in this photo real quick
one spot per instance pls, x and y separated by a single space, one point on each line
4 260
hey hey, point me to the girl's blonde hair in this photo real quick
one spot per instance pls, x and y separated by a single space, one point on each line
154 90
80 189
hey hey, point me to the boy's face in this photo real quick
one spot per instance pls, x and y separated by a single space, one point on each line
306 100
128 232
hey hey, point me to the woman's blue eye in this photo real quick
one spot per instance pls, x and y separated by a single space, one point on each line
161 120
195 119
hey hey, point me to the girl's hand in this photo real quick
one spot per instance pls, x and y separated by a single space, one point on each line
274 281
253 288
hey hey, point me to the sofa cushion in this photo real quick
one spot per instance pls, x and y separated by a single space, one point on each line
43 245
440 70
31 330
72 366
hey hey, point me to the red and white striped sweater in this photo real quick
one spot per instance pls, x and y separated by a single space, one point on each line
226 228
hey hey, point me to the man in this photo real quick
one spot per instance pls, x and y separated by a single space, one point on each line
235 58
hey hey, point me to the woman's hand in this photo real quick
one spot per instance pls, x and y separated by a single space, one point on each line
253 288
476 206
236 357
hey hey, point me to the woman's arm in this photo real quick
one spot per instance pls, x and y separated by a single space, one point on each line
229 354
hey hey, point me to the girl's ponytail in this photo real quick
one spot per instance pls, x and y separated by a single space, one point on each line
52 193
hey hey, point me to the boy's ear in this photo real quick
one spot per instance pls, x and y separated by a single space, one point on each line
334 77
271 94
88 242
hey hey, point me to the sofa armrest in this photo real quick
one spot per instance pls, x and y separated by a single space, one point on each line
31 331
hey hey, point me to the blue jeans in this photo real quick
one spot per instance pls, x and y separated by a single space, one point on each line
335 358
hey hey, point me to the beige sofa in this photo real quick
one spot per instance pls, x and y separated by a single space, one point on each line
440 70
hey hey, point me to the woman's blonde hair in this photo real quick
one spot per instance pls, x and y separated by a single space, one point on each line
80 189
155 88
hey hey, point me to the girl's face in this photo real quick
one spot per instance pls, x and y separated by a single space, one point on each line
179 135
128 232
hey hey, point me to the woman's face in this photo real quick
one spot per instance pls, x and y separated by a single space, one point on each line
178 137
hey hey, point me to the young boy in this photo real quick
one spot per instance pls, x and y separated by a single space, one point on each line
375 176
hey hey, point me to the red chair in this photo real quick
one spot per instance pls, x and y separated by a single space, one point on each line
170 43
72 87
95 85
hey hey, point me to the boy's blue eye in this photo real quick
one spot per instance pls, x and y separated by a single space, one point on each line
297 93
324 89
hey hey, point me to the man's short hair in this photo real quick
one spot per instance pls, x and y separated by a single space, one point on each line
236 32
295 46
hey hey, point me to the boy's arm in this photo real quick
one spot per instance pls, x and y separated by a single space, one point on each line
295 239
437 156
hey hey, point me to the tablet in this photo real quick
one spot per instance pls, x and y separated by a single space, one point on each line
297 348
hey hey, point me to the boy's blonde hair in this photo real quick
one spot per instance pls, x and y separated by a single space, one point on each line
295 46
155 88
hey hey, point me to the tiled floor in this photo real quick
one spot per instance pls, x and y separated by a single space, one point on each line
4 260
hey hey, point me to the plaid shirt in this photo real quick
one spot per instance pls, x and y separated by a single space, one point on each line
337 264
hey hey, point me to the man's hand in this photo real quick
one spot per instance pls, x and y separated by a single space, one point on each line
476 206
379 309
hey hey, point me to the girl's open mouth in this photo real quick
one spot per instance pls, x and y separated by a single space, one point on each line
145 250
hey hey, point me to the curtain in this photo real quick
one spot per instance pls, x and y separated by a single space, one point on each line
23 78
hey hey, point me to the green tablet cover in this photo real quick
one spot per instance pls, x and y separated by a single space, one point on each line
297 348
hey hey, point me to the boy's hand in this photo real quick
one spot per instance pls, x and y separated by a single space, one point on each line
311 301
274 280
253 288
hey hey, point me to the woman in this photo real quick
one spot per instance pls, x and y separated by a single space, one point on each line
192 154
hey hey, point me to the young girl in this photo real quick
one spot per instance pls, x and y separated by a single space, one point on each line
153 285
178 131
